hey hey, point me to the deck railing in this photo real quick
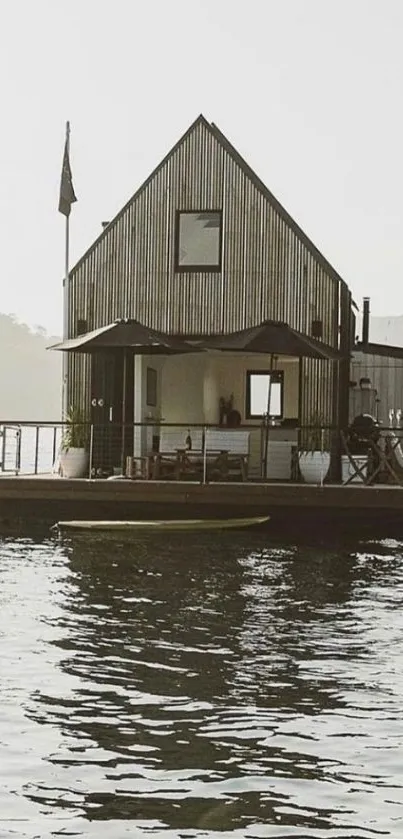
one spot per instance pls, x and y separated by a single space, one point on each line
164 451
29 447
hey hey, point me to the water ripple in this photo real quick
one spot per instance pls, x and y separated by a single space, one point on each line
212 687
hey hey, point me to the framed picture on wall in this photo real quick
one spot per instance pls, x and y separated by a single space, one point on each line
151 387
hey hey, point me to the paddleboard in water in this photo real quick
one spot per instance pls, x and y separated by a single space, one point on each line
185 524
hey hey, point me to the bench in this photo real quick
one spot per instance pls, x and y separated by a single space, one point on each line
227 453
173 458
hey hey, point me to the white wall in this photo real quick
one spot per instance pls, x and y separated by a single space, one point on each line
211 393
231 372
182 388
191 385
157 363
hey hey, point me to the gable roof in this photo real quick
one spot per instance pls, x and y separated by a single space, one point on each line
248 171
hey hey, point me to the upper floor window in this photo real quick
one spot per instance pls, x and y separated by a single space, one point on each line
198 241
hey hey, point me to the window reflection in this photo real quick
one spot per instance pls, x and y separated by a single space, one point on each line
258 384
199 240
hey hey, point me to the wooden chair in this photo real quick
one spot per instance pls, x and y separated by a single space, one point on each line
394 457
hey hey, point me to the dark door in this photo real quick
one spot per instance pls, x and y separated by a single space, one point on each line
111 386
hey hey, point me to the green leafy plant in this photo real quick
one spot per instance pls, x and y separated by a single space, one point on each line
315 437
76 430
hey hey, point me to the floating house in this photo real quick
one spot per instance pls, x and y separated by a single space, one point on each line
204 254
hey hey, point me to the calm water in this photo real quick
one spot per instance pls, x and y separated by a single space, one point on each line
200 687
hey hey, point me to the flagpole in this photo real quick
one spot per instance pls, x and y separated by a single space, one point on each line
66 324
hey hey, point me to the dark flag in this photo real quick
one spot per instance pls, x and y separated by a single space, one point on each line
67 196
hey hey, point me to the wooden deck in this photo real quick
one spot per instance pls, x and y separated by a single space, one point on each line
51 498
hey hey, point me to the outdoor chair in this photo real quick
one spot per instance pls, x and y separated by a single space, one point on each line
394 457
383 462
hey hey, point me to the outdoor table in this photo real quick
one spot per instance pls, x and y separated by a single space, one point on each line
193 457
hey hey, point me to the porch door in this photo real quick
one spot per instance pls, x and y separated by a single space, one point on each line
111 442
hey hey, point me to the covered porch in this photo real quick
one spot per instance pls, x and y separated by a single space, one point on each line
184 403
236 398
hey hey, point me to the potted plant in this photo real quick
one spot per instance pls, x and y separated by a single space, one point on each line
314 456
74 448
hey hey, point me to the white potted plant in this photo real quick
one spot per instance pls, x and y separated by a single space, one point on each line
74 449
314 457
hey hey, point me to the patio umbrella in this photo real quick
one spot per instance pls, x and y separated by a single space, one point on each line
127 335
272 338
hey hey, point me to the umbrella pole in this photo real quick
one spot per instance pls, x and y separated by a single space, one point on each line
123 437
266 439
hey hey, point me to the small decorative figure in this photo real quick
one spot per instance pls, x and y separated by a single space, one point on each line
226 408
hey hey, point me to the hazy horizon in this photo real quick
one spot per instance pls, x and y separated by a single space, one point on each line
307 92
30 377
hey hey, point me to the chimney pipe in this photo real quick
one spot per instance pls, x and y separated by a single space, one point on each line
365 320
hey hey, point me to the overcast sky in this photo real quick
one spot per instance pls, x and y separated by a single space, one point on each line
309 91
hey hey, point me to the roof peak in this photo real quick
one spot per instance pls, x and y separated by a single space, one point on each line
232 151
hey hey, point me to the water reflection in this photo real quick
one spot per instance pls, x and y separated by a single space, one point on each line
208 684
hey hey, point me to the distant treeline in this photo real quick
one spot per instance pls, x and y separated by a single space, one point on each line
30 376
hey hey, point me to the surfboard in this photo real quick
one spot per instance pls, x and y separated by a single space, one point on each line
162 525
